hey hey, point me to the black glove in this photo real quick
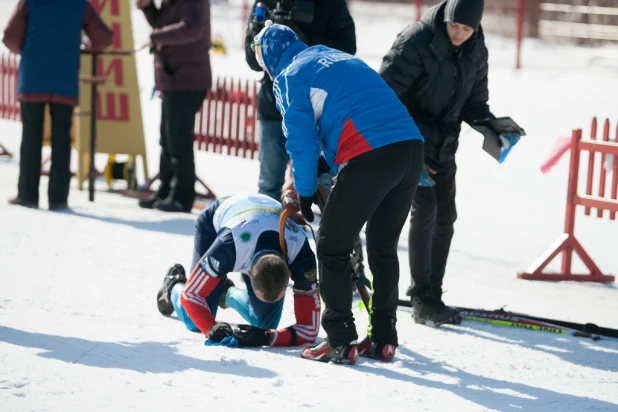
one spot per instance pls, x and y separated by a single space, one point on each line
220 331
322 166
252 337
305 206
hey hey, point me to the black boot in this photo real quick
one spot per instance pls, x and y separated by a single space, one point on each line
432 312
368 348
447 311
21 202
342 354
58 205
159 195
171 205
175 274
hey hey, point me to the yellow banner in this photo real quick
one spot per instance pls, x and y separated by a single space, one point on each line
119 113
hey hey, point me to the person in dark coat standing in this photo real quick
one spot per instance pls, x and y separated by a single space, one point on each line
438 68
181 43
48 37
325 22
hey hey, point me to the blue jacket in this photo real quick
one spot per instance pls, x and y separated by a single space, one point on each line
50 55
332 104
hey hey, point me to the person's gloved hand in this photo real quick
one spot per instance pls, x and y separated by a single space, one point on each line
220 331
252 337
322 166
305 206
426 180
508 140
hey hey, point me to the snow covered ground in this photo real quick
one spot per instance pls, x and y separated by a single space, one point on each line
79 327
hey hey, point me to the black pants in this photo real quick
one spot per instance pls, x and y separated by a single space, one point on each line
177 163
376 187
431 230
33 116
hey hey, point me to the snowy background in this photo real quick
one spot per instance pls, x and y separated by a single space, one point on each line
79 329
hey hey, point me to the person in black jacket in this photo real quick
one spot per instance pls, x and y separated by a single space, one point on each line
438 69
326 22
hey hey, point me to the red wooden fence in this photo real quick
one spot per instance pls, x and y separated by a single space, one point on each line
606 199
225 124
9 107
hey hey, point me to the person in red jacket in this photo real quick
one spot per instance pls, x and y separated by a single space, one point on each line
48 37
180 41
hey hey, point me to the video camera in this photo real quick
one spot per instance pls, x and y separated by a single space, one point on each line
284 12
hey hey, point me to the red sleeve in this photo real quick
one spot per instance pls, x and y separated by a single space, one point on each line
187 30
99 34
193 298
15 31
307 307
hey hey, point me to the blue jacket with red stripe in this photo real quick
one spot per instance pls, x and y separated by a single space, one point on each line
332 104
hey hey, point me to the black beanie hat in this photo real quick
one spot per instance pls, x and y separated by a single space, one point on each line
468 12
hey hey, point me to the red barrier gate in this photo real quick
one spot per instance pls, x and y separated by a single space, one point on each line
9 107
226 122
567 244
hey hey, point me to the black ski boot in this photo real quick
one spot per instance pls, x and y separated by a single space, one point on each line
341 354
171 205
158 196
175 274
432 312
368 348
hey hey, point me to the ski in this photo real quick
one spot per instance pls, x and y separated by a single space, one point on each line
506 318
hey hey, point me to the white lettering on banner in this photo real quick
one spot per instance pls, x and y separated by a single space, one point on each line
329 59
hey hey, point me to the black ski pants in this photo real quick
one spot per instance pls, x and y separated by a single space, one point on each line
431 230
376 188
33 116
177 162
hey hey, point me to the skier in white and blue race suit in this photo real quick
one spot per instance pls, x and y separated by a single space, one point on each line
241 234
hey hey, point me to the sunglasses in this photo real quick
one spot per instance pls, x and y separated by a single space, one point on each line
255 46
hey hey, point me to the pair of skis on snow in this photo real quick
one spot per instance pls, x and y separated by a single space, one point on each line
502 317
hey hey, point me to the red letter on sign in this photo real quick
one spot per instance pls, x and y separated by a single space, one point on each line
114 67
122 115
99 4
117 32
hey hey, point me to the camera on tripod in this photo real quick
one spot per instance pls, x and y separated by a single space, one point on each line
284 12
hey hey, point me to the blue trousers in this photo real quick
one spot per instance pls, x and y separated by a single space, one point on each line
273 159
265 315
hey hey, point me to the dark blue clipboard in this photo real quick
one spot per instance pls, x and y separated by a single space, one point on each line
491 128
